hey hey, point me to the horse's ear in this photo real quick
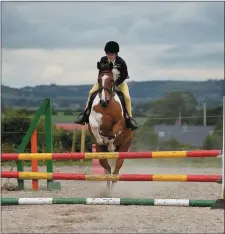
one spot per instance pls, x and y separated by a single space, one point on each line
98 65
110 65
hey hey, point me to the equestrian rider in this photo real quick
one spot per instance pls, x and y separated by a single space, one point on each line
111 50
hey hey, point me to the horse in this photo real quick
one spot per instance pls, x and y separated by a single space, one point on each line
107 120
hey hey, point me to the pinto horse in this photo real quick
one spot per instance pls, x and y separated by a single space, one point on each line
107 119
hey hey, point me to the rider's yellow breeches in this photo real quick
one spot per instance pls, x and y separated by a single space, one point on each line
123 87
94 89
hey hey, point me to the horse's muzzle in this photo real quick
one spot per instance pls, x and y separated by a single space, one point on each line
104 103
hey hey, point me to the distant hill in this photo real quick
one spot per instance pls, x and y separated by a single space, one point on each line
72 96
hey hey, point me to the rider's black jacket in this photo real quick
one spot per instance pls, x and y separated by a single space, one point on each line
121 66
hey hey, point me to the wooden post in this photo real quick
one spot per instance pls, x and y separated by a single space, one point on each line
82 144
82 147
73 148
34 163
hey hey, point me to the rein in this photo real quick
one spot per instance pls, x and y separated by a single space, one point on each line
113 88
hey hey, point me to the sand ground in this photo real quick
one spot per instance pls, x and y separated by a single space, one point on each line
118 219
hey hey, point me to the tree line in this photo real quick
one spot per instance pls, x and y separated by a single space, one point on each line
167 110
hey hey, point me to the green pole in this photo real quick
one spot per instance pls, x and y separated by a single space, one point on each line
48 137
19 165
26 139
49 145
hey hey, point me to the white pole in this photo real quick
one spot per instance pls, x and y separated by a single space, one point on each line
223 152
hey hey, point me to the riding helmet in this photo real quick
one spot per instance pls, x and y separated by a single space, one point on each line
112 47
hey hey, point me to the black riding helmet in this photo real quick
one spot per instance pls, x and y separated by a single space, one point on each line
112 47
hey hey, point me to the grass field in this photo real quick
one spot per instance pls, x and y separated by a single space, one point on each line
61 118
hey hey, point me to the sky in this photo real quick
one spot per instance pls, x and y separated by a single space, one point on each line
61 42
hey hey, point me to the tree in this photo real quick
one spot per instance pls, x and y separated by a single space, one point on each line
14 128
16 123
171 144
167 109
212 142
216 115
145 138
215 140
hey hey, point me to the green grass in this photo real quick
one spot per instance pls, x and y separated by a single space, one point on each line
141 120
55 163
61 118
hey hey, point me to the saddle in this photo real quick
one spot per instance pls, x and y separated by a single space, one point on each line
121 97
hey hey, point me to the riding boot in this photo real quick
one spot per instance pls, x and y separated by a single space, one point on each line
133 124
82 118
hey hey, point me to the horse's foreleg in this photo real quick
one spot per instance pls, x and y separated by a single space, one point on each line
98 138
104 162
119 162
117 128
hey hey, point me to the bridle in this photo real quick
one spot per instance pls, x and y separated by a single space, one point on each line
111 91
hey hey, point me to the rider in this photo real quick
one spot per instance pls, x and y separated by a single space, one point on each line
111 50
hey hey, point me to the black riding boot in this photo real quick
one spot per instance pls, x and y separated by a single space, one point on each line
133 124
82 118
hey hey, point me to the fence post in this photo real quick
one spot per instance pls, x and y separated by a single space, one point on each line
49 147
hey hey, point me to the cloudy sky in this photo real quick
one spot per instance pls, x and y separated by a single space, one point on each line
61 42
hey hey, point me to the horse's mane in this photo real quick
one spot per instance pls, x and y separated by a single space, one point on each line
105 67
115 73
